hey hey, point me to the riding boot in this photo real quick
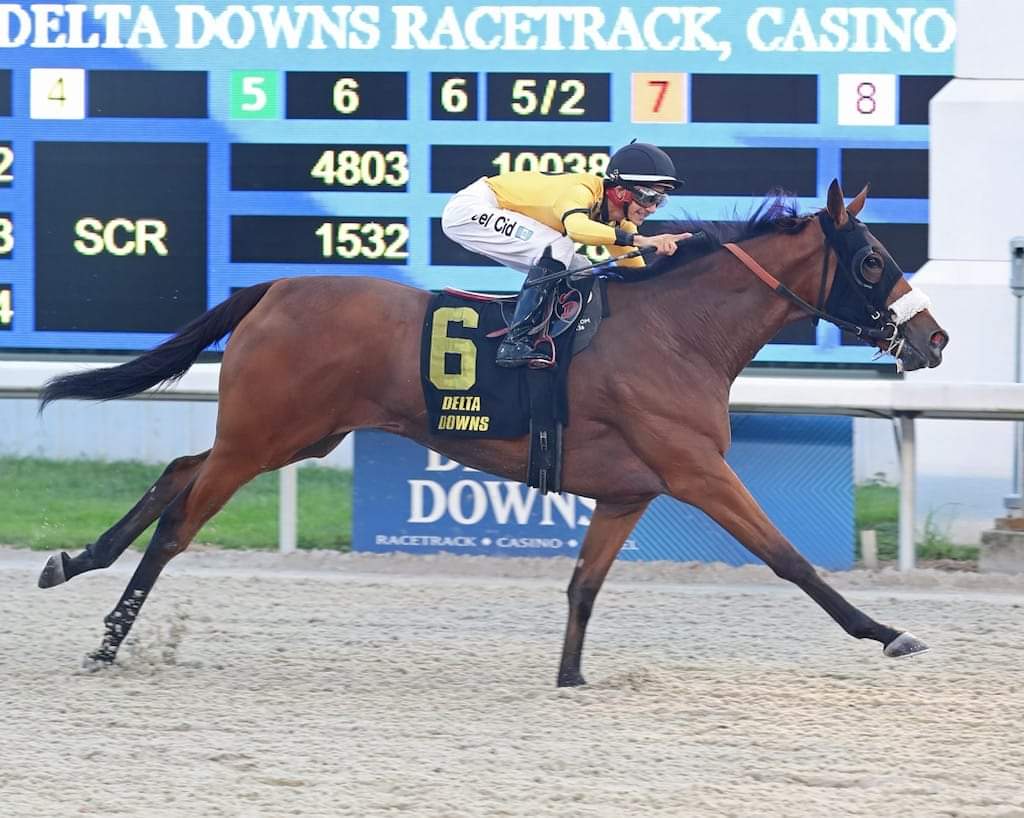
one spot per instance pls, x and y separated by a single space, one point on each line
517 349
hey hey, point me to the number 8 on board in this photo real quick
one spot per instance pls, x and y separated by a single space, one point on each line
866 99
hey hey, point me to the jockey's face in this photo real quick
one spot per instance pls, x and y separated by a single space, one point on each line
645 201
637 212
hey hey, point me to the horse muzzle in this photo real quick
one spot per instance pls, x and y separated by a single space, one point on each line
917 355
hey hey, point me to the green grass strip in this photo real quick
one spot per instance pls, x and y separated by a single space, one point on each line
51 505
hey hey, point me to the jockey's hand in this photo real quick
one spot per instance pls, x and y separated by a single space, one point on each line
665 243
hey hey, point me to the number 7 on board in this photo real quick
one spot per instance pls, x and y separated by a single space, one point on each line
659 97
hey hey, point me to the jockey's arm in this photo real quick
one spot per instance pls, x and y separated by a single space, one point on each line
574 207
631 236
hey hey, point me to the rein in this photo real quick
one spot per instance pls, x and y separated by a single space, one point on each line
587 272
593 269
887 332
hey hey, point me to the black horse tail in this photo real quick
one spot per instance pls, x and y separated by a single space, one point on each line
167 362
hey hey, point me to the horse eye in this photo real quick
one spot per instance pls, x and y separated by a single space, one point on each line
870 272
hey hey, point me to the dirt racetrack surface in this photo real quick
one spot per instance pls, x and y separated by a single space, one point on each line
320 684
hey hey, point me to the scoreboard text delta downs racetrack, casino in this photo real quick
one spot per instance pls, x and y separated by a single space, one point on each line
768 28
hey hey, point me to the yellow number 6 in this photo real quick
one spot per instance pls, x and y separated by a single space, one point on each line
441 345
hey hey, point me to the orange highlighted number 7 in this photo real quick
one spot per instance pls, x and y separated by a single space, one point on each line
662 88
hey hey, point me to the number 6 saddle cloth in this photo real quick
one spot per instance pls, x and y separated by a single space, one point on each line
467 395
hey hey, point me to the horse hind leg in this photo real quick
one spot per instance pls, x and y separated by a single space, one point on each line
217 480
724 498
113 542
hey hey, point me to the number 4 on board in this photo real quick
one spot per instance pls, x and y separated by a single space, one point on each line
57 93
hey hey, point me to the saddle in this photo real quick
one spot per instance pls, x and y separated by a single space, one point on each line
468 395
577 306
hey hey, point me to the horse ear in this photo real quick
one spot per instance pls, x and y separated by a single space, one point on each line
836 207
854 207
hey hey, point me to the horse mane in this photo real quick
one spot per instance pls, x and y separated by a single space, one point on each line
777 213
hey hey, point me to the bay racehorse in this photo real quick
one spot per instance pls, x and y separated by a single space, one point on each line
311 359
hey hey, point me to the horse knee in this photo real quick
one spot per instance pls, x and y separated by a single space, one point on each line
169 550
793 567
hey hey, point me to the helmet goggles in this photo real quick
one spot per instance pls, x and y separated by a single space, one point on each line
646 196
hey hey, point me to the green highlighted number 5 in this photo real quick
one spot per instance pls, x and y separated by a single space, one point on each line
441 344
254 95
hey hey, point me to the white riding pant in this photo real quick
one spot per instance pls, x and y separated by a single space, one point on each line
473 219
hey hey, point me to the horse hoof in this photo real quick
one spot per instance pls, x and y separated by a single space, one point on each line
571 680
53 572
97 661
906 644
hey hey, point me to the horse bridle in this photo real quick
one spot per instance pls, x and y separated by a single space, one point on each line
884 330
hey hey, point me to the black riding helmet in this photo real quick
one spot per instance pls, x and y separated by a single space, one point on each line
640 163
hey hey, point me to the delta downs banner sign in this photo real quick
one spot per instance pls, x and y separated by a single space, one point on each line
800 469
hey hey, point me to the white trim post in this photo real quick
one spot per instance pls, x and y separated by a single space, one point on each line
908 492
287 515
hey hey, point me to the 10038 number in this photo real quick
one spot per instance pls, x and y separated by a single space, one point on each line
369 168
551 162
372 241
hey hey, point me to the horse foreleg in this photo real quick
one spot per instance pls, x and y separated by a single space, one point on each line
721 494
609 527
218 478
113 542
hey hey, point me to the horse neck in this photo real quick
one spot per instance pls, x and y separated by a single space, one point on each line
720 311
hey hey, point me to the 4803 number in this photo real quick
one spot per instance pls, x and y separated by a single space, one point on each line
372 168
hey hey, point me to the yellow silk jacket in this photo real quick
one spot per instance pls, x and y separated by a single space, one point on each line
571 203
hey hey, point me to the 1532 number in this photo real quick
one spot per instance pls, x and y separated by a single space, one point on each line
364 240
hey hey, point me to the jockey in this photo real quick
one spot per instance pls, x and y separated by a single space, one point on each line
513 218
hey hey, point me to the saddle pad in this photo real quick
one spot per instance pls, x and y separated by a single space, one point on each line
466 393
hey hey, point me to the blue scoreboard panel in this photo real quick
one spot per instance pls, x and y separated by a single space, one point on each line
155 156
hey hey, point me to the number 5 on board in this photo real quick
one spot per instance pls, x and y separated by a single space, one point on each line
254 95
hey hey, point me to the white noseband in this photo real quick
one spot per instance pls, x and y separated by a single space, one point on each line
906 307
